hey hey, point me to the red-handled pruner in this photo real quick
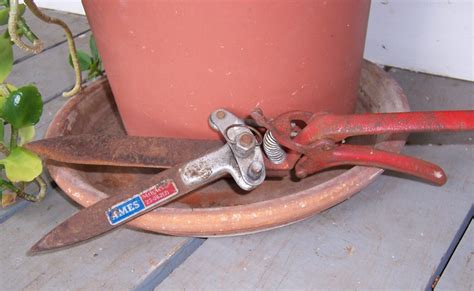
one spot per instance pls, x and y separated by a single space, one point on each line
320 143
302 141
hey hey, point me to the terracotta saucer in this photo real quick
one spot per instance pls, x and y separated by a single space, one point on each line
220 208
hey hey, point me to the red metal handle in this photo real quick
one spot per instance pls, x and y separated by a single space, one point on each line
369 156
318 140
339 127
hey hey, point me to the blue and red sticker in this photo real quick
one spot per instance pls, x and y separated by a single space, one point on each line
140 202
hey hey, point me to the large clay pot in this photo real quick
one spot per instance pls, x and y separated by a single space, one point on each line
170 63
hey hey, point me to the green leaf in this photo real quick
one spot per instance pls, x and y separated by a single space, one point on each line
6 35
3 98
22 165
6 58
93 47
94 70
26 134
4 16
5 11
23 107
21 9
84 60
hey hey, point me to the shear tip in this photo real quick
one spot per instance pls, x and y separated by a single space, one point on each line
37 248
34 250
41 246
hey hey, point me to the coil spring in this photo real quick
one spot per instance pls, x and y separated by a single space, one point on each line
275 153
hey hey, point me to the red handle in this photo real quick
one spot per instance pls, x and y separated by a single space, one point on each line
368 156
339 127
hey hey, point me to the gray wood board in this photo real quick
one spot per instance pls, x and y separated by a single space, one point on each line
49 71
459 273
51 34
427 92
391 235
117 261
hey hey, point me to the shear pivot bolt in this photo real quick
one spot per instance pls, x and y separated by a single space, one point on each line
245 144
246 140
255 170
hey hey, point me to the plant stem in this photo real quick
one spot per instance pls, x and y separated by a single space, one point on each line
27 32
4 149
26 196
12 30
70 40
13 138
4 91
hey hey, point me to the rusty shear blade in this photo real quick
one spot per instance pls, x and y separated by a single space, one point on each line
127 151
117 210
241 157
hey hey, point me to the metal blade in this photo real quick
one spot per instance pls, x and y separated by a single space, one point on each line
128 151
114 211
241 157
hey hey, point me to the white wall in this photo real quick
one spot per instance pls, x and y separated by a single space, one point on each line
74 6
433 36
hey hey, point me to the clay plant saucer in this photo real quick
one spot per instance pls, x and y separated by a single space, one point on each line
220 208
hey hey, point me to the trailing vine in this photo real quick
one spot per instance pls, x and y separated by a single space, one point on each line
15 22
70 41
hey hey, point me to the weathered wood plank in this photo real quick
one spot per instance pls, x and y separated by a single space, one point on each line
459 273
51 35
49 71
427 92
391 235
161 273
9 211
118 261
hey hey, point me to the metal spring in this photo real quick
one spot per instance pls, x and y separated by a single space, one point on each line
275 153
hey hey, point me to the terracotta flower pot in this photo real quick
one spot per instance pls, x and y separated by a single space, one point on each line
170 63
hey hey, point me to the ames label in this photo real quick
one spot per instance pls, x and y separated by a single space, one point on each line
140 202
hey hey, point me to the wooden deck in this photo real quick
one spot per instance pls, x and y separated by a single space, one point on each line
398 233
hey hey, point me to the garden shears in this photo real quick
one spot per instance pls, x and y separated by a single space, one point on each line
295 143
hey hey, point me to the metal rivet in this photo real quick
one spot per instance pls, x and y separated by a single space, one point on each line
220 114
246 139
255 169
